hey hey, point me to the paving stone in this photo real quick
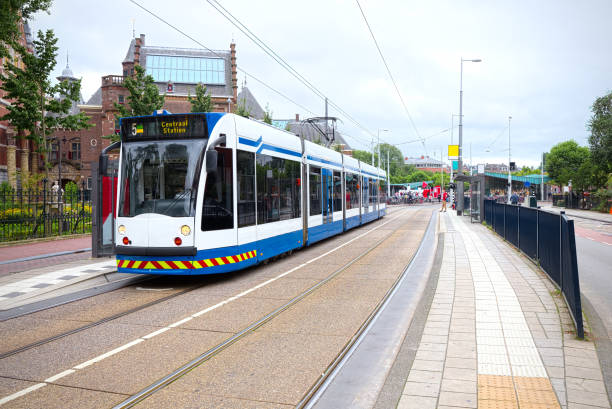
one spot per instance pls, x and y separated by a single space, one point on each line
425 376
465 363
590 398
422 365
455 385
583 362
586 385
467 400
421 389
586 373
430 355
416 402
460 374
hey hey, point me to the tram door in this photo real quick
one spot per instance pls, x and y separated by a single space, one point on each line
327 183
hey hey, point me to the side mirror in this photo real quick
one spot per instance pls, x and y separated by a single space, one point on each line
211 161
103 164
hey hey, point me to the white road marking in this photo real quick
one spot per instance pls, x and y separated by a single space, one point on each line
182 321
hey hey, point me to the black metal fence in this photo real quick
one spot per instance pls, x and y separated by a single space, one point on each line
546 238
46 212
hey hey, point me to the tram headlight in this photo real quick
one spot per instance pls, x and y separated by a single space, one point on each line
121 229
185 230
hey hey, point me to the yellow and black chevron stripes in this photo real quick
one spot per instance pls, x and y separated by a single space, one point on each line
185 265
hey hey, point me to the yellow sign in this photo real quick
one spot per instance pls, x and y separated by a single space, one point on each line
453 151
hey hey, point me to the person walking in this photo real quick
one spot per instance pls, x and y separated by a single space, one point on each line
444 197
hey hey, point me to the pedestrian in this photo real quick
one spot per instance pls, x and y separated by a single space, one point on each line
514 198
444 198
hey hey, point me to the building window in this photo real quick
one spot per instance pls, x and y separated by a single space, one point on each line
75 151
166 68
54 151
125 73
121 99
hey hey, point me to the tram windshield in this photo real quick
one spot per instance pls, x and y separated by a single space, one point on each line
158 177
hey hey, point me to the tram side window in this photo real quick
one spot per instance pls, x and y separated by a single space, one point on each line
365 199
383 191
218 211
337 191
245 167
373 189
278 189
352 191
314 189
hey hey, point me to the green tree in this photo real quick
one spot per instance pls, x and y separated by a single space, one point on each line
38 108
363 156
267 118
600 140
144 98
396 158
564 160
202 101
11 12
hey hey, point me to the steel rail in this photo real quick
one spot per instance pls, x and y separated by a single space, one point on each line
186 368
361 332
96 323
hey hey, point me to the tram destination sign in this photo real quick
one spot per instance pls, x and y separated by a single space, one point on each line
163 127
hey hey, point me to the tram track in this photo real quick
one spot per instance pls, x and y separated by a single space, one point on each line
98 322
217 349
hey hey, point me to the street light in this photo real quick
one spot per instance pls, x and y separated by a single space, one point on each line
384 130
509 158
460 161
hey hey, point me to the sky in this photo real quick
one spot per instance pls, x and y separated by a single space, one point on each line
543 63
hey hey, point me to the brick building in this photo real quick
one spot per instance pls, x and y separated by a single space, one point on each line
427 163
15 153
176 72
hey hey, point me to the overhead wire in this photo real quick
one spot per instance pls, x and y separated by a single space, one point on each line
388 71
282 62
219 55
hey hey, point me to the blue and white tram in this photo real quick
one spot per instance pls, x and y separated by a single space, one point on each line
212 193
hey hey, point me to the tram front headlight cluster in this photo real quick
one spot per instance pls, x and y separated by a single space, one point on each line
185 230
121 229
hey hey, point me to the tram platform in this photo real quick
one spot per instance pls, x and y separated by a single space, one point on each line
498 334
41 273
490 331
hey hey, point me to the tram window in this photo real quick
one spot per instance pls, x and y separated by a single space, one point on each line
337 191
383 191
218 211
373 191
245 166
314 188
365 199
352 190
278 189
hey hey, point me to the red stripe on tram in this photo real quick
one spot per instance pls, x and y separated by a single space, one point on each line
172 265
157 265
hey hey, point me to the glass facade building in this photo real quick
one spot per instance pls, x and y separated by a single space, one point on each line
164 68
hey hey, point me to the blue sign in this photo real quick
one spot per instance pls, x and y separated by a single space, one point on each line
527 184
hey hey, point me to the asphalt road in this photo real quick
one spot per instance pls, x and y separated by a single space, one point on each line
595 269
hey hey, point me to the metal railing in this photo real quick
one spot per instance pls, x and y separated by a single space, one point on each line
546 238
46 212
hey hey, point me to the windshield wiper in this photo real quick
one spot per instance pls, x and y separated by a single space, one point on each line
175 200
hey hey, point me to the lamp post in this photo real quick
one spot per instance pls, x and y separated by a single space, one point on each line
229 105
509 158
384 130
452 192
460 161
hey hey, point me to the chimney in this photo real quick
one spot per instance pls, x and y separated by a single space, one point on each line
140 42
234 70
297 117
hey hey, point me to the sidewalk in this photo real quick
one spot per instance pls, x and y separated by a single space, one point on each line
498 335
33 279
586 214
